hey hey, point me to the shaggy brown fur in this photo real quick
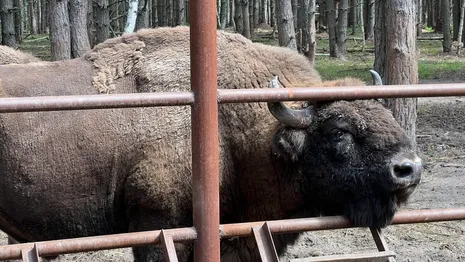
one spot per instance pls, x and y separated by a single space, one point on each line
81 173
10 56
155 56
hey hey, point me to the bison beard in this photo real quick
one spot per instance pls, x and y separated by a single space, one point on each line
346 162
72 174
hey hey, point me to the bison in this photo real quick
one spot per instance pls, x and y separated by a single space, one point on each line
82 173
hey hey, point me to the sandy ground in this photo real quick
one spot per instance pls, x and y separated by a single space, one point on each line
441 142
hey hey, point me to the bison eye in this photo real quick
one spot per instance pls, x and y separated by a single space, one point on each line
337 135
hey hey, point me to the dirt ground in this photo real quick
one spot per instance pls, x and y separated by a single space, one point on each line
441 142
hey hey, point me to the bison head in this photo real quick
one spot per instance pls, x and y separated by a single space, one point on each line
351 158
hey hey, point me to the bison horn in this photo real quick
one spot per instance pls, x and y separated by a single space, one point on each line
295 118
376 78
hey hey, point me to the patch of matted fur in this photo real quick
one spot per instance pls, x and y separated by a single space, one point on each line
114 59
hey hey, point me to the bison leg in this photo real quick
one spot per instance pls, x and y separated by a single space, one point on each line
147 220
155 253
158 196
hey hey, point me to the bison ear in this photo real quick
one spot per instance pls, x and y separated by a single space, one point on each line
289 143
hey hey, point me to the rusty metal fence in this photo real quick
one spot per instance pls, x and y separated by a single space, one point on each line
31 251
166 237
204 100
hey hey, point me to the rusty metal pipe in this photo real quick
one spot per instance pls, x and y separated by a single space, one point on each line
339 93
205 148
74 245
55 103
428 215
85 244
337 222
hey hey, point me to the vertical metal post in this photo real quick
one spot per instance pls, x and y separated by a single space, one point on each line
30 254
205 164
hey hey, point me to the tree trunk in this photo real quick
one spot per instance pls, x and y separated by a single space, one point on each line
370 19
114 19
8 23
295 6
457 7
187 9
142 20
155 13
102 20
460 38
90 23
161 13
303 25
38 15
169 12
362 23
181 12
431 19
231 13
342 28
263 12
78 24
396 56
223 14
44 21
285 21
353 16
446 43
419 16
424 11
238 19
312 31
273 14
437 16
251 17
132 16
268 10
31 20
36 11
256 13
333 52
245 19
323 19
19 29
60 38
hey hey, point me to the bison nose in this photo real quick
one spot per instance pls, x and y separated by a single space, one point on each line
404 169
406 172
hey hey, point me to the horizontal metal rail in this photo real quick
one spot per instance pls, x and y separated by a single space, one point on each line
338 93
80 102
55 103
103 101
57 247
